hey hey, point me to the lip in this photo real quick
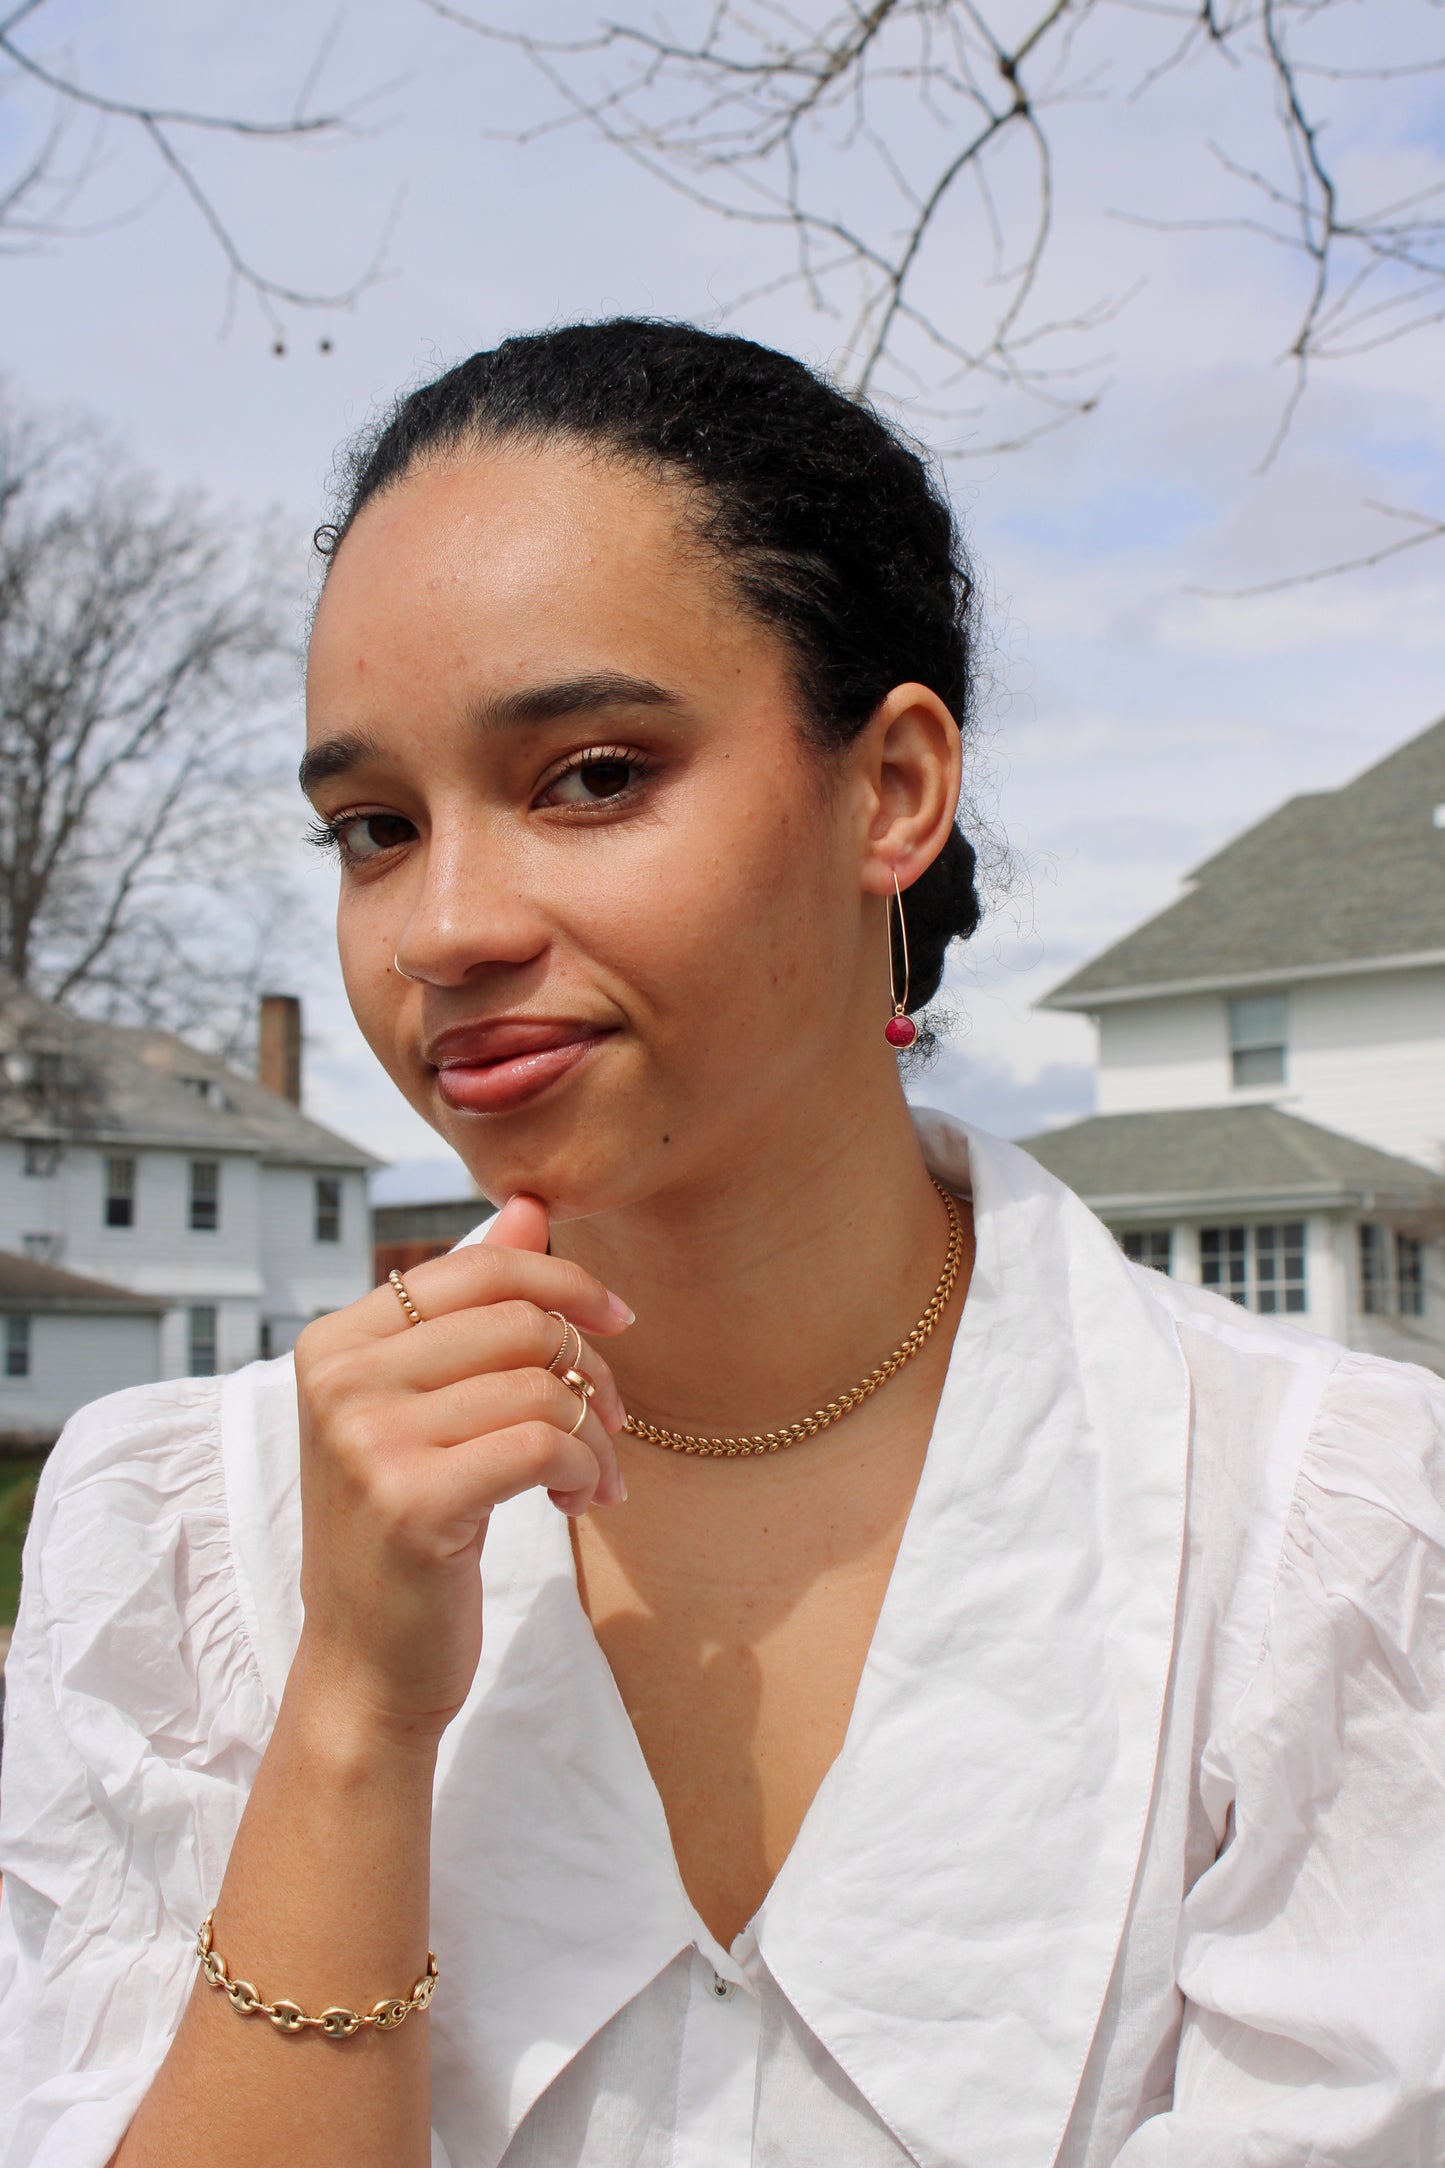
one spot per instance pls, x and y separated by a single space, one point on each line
490 1068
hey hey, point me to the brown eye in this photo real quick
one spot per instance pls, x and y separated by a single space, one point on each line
367 835
605 778
594 778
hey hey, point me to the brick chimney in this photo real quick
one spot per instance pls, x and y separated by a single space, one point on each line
279 1064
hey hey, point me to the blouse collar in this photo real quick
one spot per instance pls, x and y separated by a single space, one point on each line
948 1918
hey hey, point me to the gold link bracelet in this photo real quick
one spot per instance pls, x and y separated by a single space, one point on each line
337 2023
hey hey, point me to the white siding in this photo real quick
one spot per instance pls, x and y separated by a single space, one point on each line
73 1360
1366 1057
162 1253
262 1263
1166 1053
303 1277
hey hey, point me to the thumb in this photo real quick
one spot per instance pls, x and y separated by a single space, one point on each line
521 1224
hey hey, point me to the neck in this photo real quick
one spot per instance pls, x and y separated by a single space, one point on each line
774 1283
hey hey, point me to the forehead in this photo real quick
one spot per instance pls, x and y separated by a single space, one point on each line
510 561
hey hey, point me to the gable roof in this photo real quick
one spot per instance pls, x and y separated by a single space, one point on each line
1337 878
1249 1159
64 1076
27 1285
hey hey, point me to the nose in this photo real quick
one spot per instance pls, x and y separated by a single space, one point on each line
470 914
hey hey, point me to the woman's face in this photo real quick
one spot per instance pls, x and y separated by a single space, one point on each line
564 774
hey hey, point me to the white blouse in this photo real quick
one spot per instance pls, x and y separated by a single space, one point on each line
1134 1852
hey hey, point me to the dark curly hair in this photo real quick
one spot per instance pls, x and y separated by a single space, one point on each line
829 523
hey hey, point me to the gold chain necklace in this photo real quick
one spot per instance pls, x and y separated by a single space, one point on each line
777 1441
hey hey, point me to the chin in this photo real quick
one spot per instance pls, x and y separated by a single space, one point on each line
580 1155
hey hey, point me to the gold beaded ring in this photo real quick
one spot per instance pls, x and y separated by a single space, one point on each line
398 1287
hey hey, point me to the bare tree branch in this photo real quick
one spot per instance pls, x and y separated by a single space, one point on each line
1428 529
849 126
38 180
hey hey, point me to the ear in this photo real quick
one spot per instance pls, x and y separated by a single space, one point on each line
910 757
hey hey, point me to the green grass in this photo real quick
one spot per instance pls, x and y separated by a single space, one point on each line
17 1495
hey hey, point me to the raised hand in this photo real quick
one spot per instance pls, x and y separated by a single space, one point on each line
411 1434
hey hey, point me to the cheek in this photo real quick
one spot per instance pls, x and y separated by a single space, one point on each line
718 936
365 944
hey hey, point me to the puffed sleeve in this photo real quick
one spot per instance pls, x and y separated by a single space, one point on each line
135 1720
1312 1952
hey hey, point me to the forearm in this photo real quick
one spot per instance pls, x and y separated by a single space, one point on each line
324 1902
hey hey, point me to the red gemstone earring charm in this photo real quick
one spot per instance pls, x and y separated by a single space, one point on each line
900 1029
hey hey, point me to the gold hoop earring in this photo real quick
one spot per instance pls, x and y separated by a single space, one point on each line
900 1030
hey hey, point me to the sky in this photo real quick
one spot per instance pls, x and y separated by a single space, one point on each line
1129 723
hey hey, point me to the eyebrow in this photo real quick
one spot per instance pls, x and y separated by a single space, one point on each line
590 694
584 695
335 756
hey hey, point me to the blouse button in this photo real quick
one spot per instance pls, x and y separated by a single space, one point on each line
720 1989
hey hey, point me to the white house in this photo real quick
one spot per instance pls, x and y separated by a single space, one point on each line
130 1158
65 1340
1271 1066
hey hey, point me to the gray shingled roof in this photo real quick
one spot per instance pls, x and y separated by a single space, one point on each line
1340 876
26 1285
65 1076
1247 1158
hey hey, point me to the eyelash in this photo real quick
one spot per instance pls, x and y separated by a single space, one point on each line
329 834
597 756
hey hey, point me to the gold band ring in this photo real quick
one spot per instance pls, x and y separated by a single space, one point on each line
567 1328
398 1287
578 1382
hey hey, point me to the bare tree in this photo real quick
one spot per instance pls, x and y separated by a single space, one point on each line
144 651
41 194
908 151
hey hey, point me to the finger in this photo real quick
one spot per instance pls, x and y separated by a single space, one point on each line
506 1400
465 1483
522 1224
471 1278
503 1336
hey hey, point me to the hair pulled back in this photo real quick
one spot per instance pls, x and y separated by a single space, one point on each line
830 525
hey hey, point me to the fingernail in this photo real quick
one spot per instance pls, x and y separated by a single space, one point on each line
620 1493
620 1311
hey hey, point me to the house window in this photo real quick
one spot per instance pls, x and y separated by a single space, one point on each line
49 1069
120 1193
42 1159
1279 1266
17 1347
1392 1273
1222 1261
1147 1246
1261 1268
205 1196
43 1249
201 1322
328 1208
1374 1270
1258 1039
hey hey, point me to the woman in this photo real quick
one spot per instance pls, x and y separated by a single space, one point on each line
1032 1756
